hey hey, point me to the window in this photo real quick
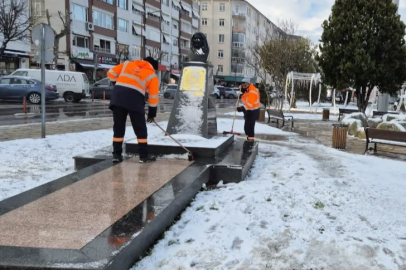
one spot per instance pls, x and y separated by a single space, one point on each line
38 7
80 41
221 22
108 1
220 68
154 35
220 54
79 13
5 81
204 21
123 25
237 9
165 57
175 42
175 25
204 6
102 19
122 4
222 7
187 28
135 52
221 38
104 46
184 44
165 3
154 15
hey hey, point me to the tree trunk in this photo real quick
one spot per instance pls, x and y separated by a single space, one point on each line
3 47
56 52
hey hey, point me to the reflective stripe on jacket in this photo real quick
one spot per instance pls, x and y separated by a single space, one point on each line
138 76
251 98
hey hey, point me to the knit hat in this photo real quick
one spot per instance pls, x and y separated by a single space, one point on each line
154 63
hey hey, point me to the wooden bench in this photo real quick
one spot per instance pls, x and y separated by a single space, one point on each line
278 115
389 137
379 113
347 111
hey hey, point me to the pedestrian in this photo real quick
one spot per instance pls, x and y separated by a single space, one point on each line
251 103
132 81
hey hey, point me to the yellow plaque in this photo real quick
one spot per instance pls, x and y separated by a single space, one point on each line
194 80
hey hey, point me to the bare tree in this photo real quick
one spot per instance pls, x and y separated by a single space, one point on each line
15 22
156 53
286 52
65 30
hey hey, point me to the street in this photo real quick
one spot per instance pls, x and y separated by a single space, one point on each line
11 112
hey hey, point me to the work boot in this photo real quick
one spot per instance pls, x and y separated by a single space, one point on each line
117 158
147 159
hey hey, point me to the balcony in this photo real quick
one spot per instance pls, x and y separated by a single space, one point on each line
175 14
195 23
175 50
165 28
237 60
166 9
137 18
239 29
102 50
239 15
239 45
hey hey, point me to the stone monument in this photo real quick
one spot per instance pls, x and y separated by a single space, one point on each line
194 110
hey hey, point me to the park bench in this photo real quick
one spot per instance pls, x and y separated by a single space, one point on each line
347 111
388 137
279 116
379 113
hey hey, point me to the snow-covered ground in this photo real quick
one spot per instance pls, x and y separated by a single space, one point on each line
28 163
303 206
296 116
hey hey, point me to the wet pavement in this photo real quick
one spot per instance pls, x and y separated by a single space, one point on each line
11 113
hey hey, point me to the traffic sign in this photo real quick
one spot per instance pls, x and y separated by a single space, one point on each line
41 31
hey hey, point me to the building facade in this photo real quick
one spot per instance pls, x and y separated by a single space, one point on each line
106 32
233 28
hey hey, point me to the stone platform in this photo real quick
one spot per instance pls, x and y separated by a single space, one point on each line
107 216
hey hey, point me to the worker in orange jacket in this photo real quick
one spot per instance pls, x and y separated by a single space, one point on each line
132 81
251 104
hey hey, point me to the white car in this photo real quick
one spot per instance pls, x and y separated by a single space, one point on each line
72 86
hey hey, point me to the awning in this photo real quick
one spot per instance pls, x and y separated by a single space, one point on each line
166 39
105 66
137 30
166 18
176 3
17 54
161 68
196 14
185 7
84 63
138 7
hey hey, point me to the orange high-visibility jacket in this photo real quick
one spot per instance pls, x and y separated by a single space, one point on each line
251 98
133 80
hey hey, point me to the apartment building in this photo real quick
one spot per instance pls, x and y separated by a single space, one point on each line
233 28
108 32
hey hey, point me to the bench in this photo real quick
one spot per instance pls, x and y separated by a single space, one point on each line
379 113
345 111
389 137
278 115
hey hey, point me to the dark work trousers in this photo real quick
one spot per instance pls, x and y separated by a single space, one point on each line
249 126
140 129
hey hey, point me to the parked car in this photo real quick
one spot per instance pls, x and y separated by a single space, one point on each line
231 93
72 86
18 87
170 91
216 92
99 87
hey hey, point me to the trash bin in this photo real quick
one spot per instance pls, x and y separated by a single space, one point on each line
340 136
261 115
326 114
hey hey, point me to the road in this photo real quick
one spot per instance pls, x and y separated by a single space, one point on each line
11 113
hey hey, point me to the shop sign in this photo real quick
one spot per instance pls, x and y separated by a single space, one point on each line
81 54
175 71
108 60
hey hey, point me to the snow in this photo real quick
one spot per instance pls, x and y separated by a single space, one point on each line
224 124
191 113
303 206
389 142
188 141
28 163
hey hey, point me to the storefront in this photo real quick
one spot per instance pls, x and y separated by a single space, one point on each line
13 60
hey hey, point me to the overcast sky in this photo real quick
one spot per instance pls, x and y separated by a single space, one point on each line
308 15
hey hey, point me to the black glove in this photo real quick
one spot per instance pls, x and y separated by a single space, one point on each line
240 109
151 114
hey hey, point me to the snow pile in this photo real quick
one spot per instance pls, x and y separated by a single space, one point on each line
191 113
224 124
304 206
188 141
